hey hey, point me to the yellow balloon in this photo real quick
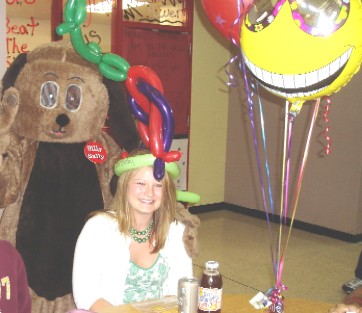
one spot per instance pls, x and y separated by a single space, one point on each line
299 58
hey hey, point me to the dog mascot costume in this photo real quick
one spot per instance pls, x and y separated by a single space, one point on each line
53 105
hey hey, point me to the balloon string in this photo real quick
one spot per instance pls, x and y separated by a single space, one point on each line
289 124
236 23
285 180
252 121
284 154
327 148
291 119
232 79
267 171
255 141
278 245
299 184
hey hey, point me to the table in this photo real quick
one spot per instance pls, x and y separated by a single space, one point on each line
240 304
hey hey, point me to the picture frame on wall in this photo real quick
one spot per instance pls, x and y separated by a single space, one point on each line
175 15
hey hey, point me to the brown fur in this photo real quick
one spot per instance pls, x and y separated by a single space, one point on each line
192 222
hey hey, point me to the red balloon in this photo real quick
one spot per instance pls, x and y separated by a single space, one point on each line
143 131
226 16
145 73
172 156
152 136
156 132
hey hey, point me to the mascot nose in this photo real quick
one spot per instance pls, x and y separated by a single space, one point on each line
62 120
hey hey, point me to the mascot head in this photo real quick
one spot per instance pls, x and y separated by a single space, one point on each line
303 49
65 99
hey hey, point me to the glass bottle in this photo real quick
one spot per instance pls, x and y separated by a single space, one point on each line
210 290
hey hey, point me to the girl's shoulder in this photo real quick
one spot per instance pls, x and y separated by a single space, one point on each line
176 228
102 220
101 228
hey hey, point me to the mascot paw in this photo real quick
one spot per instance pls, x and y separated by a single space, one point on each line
191 222
8 109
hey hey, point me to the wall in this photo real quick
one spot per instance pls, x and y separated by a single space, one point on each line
209 108
2 37
331 190
28 26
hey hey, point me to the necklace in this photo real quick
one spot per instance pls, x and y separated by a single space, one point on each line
135 233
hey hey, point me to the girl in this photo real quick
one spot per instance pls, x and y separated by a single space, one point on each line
134 250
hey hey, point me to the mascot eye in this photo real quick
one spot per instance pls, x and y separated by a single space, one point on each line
74 96
49 94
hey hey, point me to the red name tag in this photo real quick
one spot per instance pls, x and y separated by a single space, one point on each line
95 152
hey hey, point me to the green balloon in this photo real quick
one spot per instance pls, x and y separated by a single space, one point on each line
81 47
80 12
65 28
95 47
69 12
116 61
110 65
187 197
111 73
114 67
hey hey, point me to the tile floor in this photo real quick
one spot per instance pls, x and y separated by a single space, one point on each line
315 266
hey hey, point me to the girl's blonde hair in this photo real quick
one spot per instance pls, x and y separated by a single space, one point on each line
162 218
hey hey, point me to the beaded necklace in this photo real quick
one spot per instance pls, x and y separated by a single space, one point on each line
135 233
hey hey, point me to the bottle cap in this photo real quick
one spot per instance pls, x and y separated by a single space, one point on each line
212 265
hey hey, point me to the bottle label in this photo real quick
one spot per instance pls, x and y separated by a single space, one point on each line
210 299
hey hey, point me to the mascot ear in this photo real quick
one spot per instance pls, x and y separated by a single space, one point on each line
13 71
120 121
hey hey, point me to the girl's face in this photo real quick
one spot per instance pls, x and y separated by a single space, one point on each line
144 193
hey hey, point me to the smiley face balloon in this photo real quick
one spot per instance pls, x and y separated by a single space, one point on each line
303 49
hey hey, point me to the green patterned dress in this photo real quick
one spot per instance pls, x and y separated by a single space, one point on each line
145 283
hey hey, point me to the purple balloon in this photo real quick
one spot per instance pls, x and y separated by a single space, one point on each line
138 111
158 169
163 106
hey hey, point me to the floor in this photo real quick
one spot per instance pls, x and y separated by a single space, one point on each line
315 266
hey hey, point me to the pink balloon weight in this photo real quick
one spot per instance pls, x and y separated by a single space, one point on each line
226 16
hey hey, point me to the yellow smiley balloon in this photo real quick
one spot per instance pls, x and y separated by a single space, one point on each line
303 49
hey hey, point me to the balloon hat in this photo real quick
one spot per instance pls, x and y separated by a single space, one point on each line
155 120
138 161
154 115
130 163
